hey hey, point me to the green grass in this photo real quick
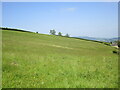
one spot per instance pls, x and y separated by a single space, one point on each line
45 61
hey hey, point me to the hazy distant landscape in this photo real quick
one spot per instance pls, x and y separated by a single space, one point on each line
100 39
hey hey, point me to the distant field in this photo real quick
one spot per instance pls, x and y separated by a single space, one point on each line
45 61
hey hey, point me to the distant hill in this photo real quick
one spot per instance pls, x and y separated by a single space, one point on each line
100 39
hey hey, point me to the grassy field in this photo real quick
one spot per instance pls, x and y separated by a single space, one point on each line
45 61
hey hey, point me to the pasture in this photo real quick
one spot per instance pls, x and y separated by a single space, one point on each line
47 61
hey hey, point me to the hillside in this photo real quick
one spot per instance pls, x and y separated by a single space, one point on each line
46 61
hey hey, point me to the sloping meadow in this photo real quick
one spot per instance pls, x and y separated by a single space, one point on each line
47 61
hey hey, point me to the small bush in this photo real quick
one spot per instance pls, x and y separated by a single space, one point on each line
116 52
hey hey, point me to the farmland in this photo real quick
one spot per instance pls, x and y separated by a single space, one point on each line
48 61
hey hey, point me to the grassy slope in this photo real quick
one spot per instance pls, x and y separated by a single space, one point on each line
37 60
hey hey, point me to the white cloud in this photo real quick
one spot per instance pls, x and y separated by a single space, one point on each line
67 9
70 9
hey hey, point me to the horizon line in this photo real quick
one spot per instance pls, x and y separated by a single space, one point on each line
48 34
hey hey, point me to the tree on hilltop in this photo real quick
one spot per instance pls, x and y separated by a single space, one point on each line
67 35
59 34
52 32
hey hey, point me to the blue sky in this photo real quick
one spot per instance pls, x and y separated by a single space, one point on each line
95 19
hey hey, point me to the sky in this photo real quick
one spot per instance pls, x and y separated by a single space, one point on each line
93 19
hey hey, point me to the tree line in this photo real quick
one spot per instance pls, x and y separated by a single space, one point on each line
53 32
